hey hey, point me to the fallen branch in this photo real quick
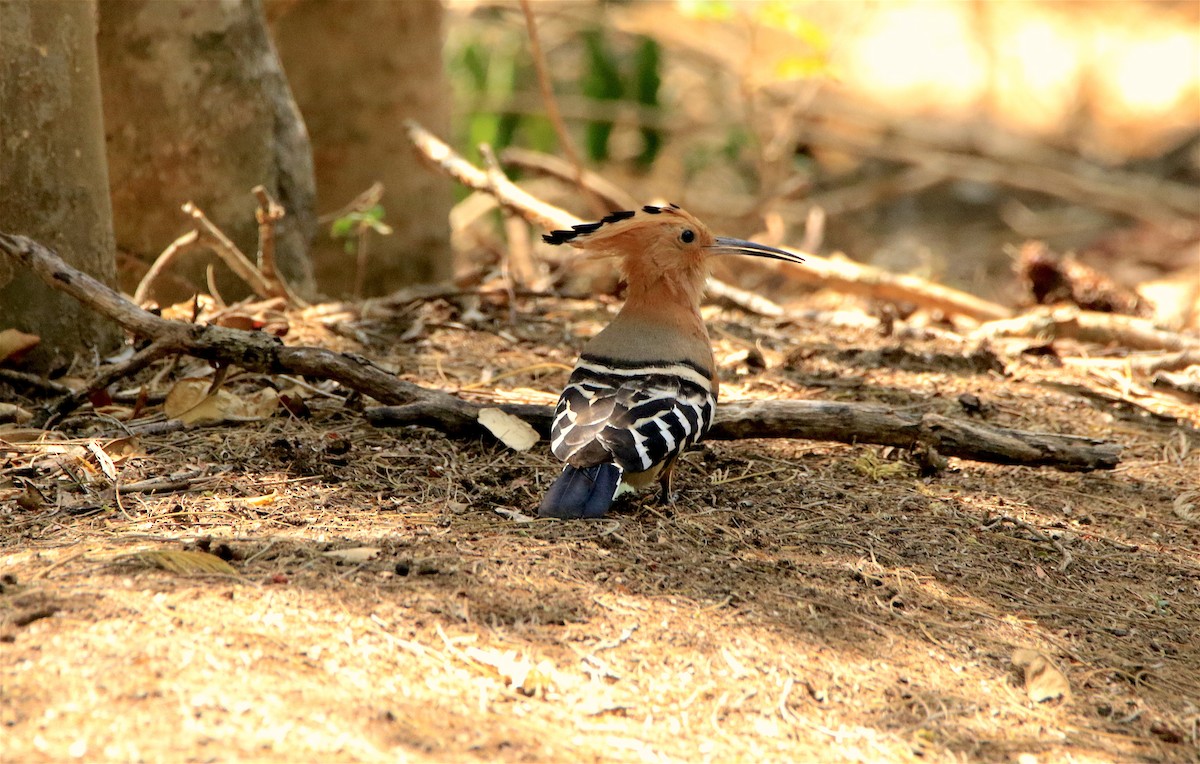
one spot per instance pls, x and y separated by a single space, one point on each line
413 404
614 196
843 275
264 279
818 420
1088 326
1003 159
253 351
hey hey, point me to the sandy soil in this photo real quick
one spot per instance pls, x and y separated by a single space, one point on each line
800 601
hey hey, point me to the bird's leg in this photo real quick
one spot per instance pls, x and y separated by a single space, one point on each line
664 480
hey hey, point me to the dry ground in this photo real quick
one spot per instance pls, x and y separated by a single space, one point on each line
800 601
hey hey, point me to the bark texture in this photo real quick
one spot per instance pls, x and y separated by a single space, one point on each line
198 109
358 70
53 181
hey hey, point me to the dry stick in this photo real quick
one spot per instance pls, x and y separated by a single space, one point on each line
518 256
268 214
1140 196
835 421
844 422
185 243
613 195
228 251
843 275
103 378
1150 363
547 89
1089 326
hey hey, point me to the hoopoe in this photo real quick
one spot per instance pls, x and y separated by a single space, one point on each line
645 388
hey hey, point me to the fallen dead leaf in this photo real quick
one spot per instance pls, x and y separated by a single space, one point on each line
354 555
1185 506
104 460
512 431
185 563
1043 680
190 402
15 343
515 670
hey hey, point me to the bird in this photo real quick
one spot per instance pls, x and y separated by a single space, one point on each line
645 388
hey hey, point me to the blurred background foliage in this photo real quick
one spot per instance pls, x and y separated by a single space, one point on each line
759 115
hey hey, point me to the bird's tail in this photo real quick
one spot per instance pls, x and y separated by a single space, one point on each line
586 492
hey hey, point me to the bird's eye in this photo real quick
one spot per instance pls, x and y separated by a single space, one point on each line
688 236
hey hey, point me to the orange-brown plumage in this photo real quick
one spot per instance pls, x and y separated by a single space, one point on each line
645 387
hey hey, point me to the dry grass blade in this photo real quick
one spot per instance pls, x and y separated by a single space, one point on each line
184 563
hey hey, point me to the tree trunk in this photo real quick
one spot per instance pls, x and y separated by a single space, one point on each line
358 71
53 180
198 109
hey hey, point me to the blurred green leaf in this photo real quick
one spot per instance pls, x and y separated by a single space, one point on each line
601 81
717 10
647 80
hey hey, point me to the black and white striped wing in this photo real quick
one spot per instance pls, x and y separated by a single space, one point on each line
634 417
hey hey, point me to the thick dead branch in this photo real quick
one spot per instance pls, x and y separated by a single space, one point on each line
1088 326
819 420
1150 363
1145 197
413 404
613 195
843 275
254 351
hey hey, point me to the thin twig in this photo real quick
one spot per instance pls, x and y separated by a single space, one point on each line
614 196
268 215
103 378
228 251
554 115
842 275
185 243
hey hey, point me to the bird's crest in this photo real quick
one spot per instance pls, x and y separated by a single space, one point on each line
595 235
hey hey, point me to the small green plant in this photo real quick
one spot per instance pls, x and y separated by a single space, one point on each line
355 227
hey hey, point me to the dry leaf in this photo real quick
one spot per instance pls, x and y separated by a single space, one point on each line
104 460
15 343
512 431
1185 506
190 402
264 500
355 555
1043 680
184 563
515 670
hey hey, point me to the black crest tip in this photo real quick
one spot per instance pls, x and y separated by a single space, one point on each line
559 237
616 217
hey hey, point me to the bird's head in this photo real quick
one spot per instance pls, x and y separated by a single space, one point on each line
660 247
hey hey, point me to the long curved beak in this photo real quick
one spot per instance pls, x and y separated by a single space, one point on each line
725 246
